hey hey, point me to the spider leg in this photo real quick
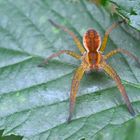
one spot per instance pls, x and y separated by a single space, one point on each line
71 53
75 38
112 73
74 89
120 50
109 30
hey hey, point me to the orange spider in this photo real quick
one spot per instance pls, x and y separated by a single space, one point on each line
92 59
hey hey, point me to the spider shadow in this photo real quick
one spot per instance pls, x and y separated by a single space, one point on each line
95 80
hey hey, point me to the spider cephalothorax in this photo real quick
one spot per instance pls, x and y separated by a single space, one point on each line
92 59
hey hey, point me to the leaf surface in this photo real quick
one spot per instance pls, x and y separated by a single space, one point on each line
131 10
34 101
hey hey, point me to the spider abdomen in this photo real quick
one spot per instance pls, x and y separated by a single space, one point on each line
91 40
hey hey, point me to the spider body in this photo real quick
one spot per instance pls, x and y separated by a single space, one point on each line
92 58
91 43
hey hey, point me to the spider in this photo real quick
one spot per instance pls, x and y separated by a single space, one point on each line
92 58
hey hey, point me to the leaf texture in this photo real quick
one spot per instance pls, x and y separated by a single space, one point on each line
34 101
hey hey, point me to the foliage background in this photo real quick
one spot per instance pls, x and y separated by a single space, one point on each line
34 101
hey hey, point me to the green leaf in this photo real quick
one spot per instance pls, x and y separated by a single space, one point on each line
131 10
11 137
34 101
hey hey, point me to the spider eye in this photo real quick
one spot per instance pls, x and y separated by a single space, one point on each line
91 40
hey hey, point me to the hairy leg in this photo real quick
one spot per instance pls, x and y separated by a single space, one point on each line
119 50
76 40
109 30
112 73
74 89
71 53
